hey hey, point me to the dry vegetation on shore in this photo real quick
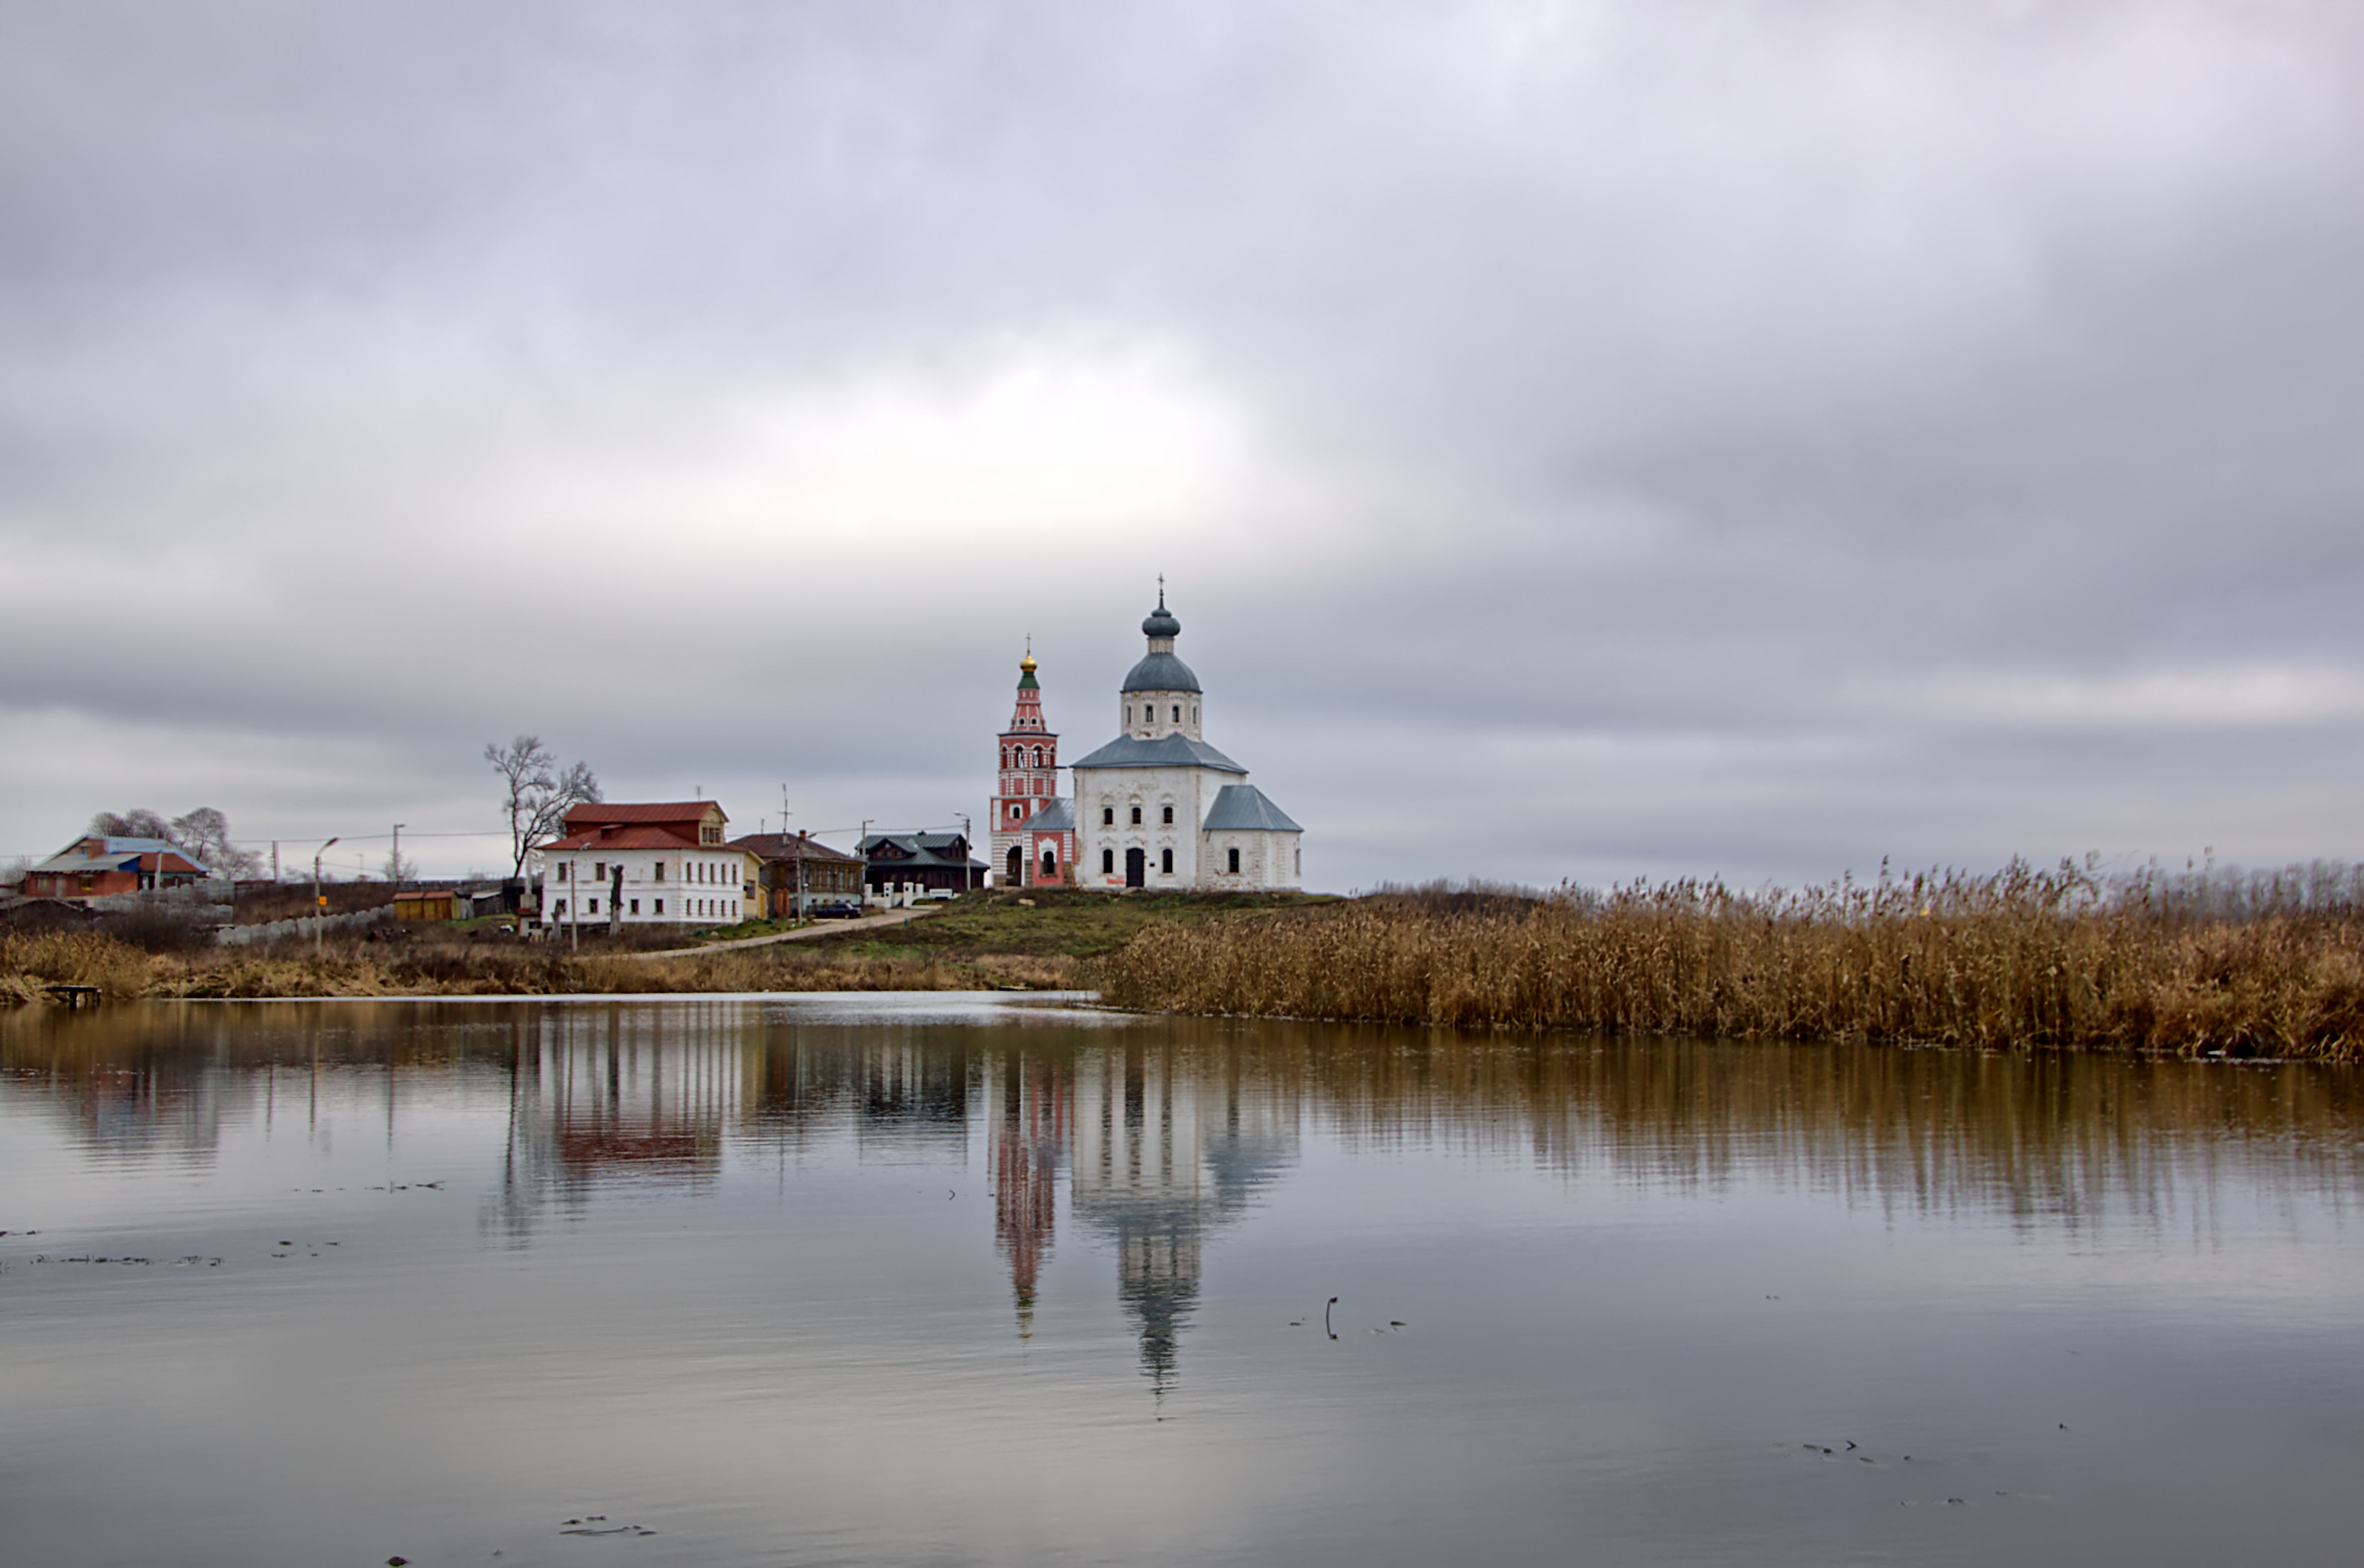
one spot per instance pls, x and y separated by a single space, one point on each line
30 963
2021 958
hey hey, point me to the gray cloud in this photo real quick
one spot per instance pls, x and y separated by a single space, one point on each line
1584 438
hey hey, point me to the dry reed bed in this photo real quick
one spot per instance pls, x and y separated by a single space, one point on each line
30 963
2021 958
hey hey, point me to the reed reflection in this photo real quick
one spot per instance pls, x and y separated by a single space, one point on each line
1161 1133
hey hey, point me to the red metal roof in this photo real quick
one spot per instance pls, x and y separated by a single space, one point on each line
630 837
657 811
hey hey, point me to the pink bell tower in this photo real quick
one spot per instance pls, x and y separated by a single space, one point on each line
1029 779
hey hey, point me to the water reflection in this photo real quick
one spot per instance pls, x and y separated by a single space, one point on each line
1161 1133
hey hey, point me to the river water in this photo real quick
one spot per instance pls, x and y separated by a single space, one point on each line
927 1279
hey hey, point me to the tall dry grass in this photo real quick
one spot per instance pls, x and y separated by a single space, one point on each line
2020 958
30 962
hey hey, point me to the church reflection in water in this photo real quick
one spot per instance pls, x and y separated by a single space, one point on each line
1158 1155
1145 1139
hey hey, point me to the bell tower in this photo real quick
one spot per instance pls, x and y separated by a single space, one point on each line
1028 777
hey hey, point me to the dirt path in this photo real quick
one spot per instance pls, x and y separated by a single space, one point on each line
804 934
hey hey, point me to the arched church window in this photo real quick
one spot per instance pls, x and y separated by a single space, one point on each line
1107 868
1038 756
1136 816
1177 713
1165 862
1169 816
1235 859
1108 816
1049 864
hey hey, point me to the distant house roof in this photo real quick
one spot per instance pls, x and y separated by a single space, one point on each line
123 854
1243 808
790 847
628 837
920 850
599 811
1059 817
1174 751
637 825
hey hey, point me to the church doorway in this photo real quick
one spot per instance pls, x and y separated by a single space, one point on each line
1016 865
1136 868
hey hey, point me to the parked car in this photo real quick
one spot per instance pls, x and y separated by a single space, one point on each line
840 911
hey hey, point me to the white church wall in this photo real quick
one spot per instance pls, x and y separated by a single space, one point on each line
1268 860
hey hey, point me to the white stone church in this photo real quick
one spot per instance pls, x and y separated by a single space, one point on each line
1159 808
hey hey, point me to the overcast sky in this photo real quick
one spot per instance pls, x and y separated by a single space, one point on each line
1589 439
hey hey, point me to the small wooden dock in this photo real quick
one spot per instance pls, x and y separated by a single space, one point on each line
75 995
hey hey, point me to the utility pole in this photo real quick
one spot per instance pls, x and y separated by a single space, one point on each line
574 901
274 860
862 848
397 867
968 877
319 903
795 909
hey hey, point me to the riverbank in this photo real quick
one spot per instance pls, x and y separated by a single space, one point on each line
1048 940
2017 959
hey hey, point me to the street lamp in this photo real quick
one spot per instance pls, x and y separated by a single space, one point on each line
968 877
319 903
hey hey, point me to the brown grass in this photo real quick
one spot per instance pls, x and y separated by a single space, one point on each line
2021 958
30 963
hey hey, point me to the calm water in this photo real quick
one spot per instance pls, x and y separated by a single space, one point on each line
920 1280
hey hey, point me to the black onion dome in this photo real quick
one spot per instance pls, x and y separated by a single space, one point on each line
1161 621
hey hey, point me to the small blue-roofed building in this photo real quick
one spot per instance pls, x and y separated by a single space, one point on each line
1159 808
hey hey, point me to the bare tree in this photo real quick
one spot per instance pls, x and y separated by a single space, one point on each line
399 869
203 835
538 794
136 824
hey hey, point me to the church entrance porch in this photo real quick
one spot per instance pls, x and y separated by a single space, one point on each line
1136 868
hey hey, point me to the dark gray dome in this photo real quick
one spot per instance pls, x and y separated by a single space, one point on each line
1160 673
1161 623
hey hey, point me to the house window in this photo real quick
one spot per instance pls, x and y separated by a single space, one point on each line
657 873
1108 816
1169 816
660 905
599 872
561 907
1165 862
1108 862
563 869
1136 816
1235 861
595 905
636 905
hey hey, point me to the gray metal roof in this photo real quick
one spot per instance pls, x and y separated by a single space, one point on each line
120 854
1059 817
1160 673
1243 808
920 850
1167 751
